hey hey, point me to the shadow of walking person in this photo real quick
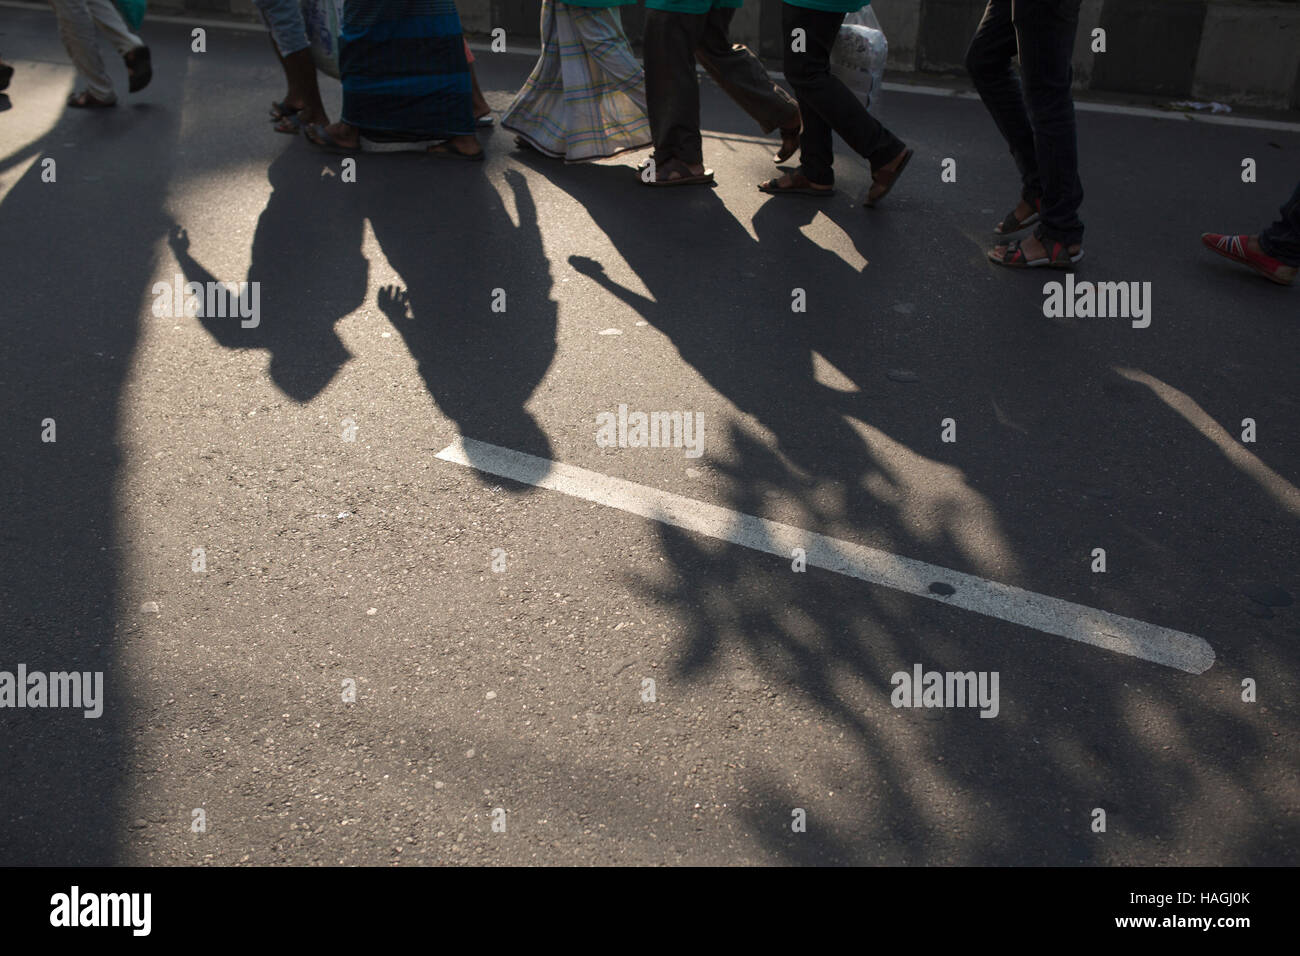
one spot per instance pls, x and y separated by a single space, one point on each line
73 325
306 273
736 326
476 312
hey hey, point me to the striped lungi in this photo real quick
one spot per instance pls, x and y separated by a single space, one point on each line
403 68
585 98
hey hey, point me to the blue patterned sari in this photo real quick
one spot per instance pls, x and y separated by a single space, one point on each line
404 70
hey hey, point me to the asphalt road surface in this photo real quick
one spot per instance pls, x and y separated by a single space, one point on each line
590 642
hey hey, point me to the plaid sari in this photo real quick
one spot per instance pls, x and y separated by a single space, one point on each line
403 68
585 98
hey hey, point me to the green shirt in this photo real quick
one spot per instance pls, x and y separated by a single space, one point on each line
833 6
690 6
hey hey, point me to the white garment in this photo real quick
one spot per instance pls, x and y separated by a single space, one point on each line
77 22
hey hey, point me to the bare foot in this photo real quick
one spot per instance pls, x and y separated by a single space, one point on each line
465 147
344 134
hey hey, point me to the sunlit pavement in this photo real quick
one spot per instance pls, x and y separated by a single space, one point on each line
344 634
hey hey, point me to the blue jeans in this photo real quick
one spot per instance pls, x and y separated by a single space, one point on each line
1038 121
1282 239
284 19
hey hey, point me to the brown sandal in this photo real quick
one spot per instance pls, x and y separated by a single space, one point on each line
684 177
883 181
800 185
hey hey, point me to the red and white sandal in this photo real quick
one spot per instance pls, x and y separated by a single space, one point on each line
1013 256
1237 248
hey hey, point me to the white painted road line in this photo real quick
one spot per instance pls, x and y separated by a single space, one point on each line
1123 635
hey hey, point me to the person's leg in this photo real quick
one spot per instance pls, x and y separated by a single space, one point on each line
815 141
481 108
77 30
742 75
1281 240
672 91
824 100
988 60
289 33
300 72
1045 31
111 24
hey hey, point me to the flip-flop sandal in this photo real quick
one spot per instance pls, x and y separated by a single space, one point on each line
885 180
789 145
447 151
139 69
773 189
371 145
1013 257
1010 224
689 179
281 109
319 136
83 100
289 124
487 119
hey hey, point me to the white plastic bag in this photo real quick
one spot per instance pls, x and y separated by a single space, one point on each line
323 19
859 54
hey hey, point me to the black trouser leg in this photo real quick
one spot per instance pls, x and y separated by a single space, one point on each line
672 91
988 60
1045 31
827 105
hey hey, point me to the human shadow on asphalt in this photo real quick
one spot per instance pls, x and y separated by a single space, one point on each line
446 231
1028 490
476 311
72 322
306 259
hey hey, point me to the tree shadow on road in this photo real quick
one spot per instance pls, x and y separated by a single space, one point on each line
1029 488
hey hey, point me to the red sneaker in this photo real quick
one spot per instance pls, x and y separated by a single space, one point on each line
1237 248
